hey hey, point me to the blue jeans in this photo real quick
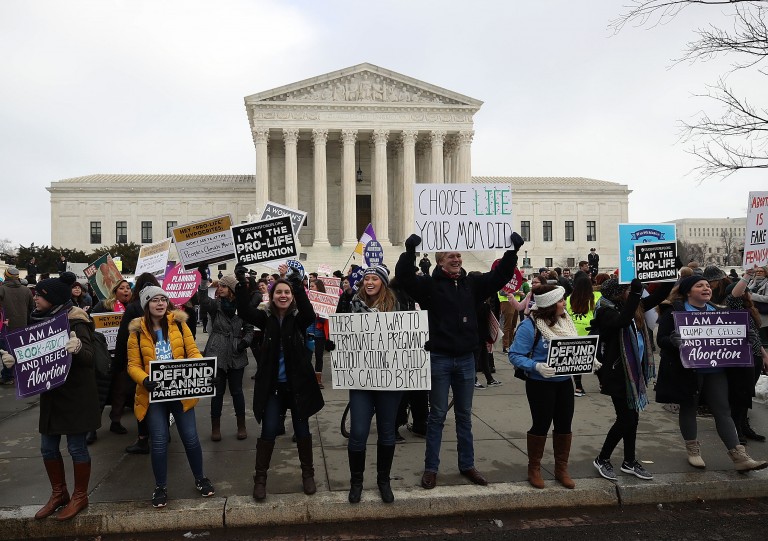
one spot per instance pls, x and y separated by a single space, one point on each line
457 373
362 406
78 449
235 379
157 421
272 421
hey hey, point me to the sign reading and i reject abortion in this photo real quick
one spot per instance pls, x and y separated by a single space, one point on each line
655 261
574 355
267 240
463 217
714 339
182 378
42 363
381 351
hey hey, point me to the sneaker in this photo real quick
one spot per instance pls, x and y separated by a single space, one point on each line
494 383
399 437
636 469
204 486
604 468
479 385
504 350
579 392
160 497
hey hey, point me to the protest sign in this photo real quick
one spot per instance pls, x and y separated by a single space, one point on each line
656 261
514 283
78 269
324 304
756 239
380 351
153 258
205 242
267 240
631 234
296 265
182 378
181 285
103 275
373 254
714 339
42 363
355 278
573 355
324 268
331 283
463 217
108 323
275 210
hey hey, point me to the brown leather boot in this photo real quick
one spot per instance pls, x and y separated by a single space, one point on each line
319 376
535 452
241 432
59 494
263 457
562 446
215 428
79 499
304 446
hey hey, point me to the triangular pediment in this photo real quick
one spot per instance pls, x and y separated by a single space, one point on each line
363 83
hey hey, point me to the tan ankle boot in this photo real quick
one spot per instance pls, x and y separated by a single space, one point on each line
743 461
693 447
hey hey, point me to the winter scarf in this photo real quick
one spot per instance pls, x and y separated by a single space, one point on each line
36 316
563 328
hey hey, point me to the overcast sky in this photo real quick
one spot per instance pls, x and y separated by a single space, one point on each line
151 86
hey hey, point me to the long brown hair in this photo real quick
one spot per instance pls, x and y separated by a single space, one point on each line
547 314
582 297
385 301
163 322
272 307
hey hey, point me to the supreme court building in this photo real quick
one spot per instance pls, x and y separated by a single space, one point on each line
347 147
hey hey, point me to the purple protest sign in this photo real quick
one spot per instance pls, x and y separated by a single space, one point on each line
714 339
42 363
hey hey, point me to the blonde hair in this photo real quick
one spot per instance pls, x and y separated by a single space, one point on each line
385 301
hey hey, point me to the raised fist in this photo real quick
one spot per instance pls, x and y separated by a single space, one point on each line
412 242
517 240
636 287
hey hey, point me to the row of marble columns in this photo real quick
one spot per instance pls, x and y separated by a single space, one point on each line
450 162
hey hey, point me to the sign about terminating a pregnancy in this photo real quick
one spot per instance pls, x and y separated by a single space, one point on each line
714 339
182 378
380 351
463 217
42 363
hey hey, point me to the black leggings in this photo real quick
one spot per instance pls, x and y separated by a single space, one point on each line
551 402
624 428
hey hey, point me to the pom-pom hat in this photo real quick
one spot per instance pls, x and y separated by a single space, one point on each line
56 291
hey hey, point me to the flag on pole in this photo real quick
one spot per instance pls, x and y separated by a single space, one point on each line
367 236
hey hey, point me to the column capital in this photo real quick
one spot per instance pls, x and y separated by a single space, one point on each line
437 137
409 137
348 137
290 136
380 137
450 145
319 136
260 135
465 136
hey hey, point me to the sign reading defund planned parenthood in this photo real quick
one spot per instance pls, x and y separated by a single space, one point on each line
381 351
714 339
655 261
572 355
463 217
267 240
182 378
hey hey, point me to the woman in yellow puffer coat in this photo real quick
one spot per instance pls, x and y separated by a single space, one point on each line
162 334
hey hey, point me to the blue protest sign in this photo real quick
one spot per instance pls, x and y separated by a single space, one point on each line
631 234
355 277
373 253
296 266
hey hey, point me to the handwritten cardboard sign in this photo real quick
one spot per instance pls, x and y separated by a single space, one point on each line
631 234
756 239
714 339
108 323
463 217
381 351
574 355
655 261
268 240
153 257
42 363
182 378
204 242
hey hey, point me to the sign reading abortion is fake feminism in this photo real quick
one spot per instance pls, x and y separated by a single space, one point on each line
655 261
205 242
574 355
463 217
182 378
268 240
380 351
42 363
756 239
714 339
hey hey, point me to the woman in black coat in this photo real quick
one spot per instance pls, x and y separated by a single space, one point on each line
285 377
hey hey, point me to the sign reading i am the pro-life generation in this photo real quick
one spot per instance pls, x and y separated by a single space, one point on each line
42 363
267 240
656 261
382 351
632 234
714 339
756 239
463 217
205 242
182 378
108 323
573 355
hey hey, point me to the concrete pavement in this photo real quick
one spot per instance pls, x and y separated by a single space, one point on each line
121 484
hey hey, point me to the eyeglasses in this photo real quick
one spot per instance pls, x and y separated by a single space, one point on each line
159 300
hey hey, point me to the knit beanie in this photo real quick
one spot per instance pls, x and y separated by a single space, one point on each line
549 298
686 284
713 274
148 292
611 289
56 291
11 273
229 281
379 270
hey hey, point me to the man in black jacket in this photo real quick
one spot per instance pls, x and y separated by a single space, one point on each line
451 298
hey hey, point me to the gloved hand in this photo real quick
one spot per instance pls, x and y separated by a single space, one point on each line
517 241
412 242
596 365
636 287
676 339
241 273
74 344
678 263
242 345
329 345
544 370
427 346
203 270
8 360
149 385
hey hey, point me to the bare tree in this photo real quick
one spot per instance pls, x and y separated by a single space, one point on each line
737 137
732 246
7 249
691 251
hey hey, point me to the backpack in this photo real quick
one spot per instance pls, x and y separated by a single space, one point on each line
519 372
102 359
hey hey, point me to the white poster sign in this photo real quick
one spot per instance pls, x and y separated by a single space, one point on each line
205 242
153 258
756 239
324 304
276 210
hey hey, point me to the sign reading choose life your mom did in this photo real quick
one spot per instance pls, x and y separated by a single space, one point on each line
42 363
381 351
714 339
574 355
182 378
463 217
205 242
